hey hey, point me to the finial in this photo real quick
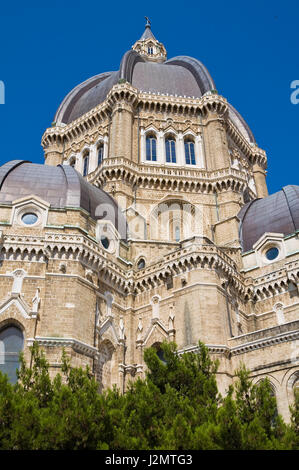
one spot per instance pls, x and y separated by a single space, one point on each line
148 23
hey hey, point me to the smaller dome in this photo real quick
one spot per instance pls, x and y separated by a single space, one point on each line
61 186
277 213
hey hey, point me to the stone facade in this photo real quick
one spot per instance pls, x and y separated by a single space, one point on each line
180 274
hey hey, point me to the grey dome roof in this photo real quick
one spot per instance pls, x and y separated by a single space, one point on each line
181 76
277 213
61 186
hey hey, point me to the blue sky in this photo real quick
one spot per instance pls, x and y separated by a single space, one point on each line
251 50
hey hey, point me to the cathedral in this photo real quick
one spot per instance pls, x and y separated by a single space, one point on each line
150 221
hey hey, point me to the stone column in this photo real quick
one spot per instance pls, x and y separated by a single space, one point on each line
161 157
139 346
121 363
199 152
106 140
54 155
155 303
93 158
171 329
216 143
142 146
121 130
180 157
79 163
278 309
259 175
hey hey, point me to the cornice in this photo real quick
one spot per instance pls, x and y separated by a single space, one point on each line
186 259
253 345
62 246
76 345
254 154
274 283
166 177
211 103
78 247
262 343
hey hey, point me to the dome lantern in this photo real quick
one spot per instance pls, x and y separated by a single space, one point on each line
148 46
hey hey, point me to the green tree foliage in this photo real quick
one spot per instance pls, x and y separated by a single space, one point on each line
176 407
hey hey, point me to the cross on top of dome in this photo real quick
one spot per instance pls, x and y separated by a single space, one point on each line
148 46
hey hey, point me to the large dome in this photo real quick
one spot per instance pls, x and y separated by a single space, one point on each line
180 76
277 213
61 186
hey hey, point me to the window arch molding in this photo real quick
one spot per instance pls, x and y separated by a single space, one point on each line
140 259
199 152
144 134
106 364
12 322
170 131
190 150
86 150
272 384
292 383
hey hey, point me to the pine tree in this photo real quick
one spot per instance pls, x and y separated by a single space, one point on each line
176 407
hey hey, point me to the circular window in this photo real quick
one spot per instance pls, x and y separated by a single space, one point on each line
105 242
29 218
272 253
141 264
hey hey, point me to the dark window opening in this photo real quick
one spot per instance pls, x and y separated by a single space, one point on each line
85 165
105 242
151 149
100 154
11 344
170 151
141 264
189 152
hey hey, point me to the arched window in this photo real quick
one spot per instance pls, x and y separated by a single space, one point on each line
189 152
100 154
85 164
170 150
150 50
141 263
159 351
11 343
177 233
151 148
